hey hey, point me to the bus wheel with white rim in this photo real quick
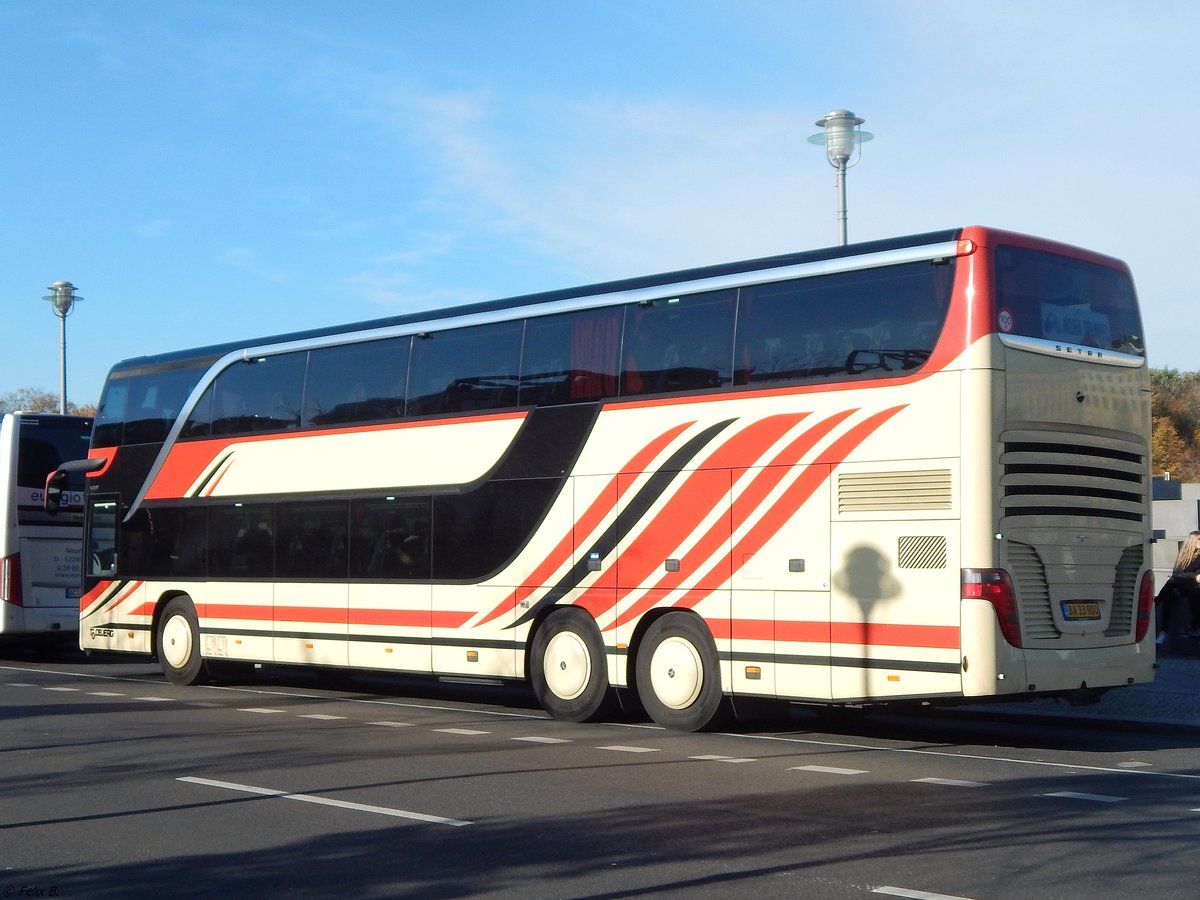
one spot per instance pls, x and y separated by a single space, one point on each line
679 676
177 643
568 668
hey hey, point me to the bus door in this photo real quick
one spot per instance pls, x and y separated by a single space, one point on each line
781 598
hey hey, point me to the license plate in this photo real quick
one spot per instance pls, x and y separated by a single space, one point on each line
1089 609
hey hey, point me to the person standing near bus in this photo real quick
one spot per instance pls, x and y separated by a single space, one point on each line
1182 587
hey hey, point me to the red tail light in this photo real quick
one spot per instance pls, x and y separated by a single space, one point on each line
996 587
10 579
1145 607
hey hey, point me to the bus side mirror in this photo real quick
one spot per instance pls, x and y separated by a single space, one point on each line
52 501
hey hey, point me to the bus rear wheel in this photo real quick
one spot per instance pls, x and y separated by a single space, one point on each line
679 676
568 668
177 643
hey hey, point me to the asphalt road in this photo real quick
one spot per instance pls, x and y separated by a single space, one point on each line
115 783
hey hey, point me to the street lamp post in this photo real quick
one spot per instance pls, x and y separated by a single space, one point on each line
62 297
843 138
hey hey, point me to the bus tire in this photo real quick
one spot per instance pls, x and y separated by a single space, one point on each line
568 668
177 643
679 675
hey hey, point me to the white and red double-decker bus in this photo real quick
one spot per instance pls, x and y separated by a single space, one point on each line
908 469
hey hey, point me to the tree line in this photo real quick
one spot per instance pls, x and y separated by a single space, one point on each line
36 400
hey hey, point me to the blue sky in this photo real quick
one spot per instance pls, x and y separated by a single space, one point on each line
209 171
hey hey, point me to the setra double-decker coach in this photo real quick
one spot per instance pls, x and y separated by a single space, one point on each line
908 469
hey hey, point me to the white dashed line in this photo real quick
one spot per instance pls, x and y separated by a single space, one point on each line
1095 798
393 724
20 684
728 759
534 739
321 717
105 694
949 782
914 895
463 731
829 770
154 699
260 709
62 689
621 748
324 801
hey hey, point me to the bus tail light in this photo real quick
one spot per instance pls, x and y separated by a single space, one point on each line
996 587
10 579
1145 606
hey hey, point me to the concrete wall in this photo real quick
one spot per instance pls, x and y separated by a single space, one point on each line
1175 511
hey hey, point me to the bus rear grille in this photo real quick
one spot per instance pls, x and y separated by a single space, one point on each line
1072 477
1120 622
1033 593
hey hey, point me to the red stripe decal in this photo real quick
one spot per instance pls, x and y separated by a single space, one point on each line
588 522
863 634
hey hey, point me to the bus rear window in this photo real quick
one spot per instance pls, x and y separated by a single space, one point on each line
1070 301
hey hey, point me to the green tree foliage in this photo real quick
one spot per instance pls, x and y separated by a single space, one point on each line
33 400
1175 438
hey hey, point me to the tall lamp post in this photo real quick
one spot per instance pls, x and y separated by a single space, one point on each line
62 297
843 138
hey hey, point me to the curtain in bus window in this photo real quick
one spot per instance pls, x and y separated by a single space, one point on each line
465 369
356 382
678 344
570 358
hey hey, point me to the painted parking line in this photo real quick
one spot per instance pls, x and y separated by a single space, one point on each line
1095 798
914 895
949 782
535 739
829 770
324 801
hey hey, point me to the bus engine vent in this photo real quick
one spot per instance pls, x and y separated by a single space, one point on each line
1125 592
1033 592
1073 476
922 552
892 491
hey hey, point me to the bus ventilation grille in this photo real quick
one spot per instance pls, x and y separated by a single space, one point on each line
1125 592
1033 593
1064 477
892 491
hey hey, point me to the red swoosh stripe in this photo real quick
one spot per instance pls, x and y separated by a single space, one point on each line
604 503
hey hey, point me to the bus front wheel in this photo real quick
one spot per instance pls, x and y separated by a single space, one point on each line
568 668
178 643
679 676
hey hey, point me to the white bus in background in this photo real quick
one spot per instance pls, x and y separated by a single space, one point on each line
39 553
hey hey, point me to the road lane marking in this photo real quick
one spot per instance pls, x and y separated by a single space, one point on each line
324 801
321 717
262 710
949 782
621 748
914 895
393 724
154 699
20 684
1095 798
468 732
105 694
534 739
829 770
713 757
63 689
